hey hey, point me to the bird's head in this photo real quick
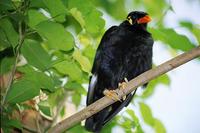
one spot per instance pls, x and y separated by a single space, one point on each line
138 18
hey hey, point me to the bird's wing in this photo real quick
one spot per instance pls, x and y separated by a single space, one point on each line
96 65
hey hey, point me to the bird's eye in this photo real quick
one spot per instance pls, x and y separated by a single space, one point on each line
130 20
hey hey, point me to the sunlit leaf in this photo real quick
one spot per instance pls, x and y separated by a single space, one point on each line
127 124
146 114
21 91
56 36
87 12
138 128
117 4
82 60
78 16
163 79
69 68
89 52
10 32
173 39
35 17
36 55
159 127
57 9
132 114
195 29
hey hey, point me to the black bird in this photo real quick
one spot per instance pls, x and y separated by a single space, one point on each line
125 51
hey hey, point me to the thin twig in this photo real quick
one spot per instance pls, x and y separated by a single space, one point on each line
130 86
12 74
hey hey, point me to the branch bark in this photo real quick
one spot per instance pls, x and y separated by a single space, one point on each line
130 86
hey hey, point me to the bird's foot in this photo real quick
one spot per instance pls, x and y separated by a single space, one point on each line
122 86
112 94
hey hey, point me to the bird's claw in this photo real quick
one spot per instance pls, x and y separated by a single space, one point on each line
122 86
112 94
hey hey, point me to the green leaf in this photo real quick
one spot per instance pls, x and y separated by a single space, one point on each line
10 32
56 97
87 12
35 17
146 114
77 129
127 124
82 60
57 9
196 32
172 38
37 4
40 79
69 68
4 43
36 55
78 16
195 29
63 111
117 4
163 79
6 5
45 110
159 127
138 127
108 127
132 114
45 81
7 124
89 52
76 99
186 24
15 123
21 91
6 64
56 35
76 87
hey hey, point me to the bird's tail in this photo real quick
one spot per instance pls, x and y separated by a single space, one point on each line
96 122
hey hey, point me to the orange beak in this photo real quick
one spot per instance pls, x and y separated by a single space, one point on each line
144 19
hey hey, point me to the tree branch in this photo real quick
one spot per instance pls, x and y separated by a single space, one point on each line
130 86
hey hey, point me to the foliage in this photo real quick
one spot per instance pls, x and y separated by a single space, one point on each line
48 47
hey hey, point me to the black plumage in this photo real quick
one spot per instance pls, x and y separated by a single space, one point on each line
125 51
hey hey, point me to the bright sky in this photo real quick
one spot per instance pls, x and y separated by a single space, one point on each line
177 106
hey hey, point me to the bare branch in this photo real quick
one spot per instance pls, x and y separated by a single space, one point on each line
130 86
